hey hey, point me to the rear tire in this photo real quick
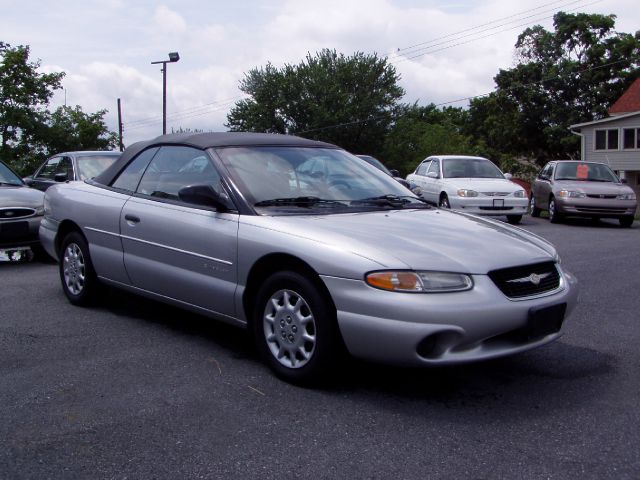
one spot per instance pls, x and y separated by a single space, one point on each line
626 222
78 277
295 328
514 219
554 216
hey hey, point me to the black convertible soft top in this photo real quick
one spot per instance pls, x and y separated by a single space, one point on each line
204 141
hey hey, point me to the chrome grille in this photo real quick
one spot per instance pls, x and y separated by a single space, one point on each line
13 213
527 280
495 194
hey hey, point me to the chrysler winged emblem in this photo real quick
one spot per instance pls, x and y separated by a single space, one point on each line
534 278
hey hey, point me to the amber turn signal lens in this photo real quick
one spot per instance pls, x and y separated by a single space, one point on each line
395 281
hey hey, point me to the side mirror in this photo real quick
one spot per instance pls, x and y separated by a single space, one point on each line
432 175
394 172
28 180
204 195
508 176
61 177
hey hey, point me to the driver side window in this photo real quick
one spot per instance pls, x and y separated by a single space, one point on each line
174 168
434 167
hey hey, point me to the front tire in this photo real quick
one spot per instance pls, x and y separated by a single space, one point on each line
78 277
535 211
514 219
626 222
444 201
554 216
295 328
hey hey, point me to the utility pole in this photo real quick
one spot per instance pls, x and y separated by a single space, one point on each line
120 144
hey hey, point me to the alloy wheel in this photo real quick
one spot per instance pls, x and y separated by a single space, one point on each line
289 328
74 269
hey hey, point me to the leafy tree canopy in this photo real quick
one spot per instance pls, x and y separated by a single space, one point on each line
562 77
348 101
29 131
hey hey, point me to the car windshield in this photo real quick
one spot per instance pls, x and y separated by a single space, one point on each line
7 177
309 178
91 166
470 168
580 171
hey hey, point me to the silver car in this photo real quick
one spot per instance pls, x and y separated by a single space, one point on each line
71 166
21 210
569 188
310 249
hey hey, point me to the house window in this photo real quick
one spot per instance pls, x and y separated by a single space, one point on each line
607 139
631 138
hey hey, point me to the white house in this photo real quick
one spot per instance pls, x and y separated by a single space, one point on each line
615 140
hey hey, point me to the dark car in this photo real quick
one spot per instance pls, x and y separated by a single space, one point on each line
70 166
568 188
381 166
21 210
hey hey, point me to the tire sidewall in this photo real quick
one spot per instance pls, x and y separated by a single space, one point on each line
327 342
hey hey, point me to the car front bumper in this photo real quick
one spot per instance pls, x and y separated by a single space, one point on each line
20 232
592 207
490 205
442 329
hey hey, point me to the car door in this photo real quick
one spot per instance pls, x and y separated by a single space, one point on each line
542 186
46 175
417 179
433 182
175 249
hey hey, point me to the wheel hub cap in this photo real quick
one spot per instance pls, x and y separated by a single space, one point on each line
73 268
289 328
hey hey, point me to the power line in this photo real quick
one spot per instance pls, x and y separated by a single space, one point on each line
430 49
455 34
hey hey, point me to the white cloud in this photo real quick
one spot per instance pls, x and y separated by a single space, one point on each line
168 21
106 48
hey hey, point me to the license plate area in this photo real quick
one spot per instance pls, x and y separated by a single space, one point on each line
14 229
498 202
544 321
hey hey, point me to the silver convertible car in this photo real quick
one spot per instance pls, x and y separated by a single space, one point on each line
310 249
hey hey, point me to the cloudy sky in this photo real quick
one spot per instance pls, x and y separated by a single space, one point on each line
443 50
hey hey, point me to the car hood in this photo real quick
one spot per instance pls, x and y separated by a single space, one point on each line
484 185
422 239
595 188
20 197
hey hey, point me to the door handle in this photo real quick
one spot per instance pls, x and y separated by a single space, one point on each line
131 218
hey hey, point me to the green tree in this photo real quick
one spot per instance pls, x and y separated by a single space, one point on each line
348 101
567 76
24 95
420 131
29 131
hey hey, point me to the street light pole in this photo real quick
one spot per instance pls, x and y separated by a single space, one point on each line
173 57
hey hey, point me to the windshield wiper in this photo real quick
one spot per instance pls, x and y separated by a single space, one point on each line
395 201
299 202
10 184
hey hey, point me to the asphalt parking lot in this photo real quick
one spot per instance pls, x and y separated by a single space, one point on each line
136 389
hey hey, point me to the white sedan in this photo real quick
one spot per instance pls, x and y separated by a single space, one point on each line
469 184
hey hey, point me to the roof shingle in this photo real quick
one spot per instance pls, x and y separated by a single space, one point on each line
629 101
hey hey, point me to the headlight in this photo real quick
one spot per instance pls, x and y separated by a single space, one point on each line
519 194
425 282
571 194
627 196
463 192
